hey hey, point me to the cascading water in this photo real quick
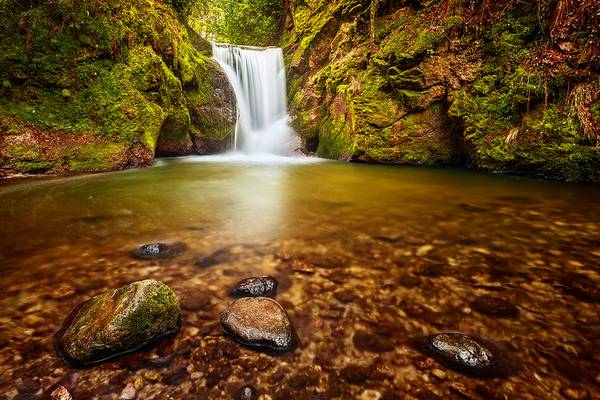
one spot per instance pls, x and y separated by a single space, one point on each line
258 79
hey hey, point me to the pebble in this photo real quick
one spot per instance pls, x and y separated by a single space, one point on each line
128 393
163 251
424 250
247 393
262 286
60 393
495 306
464 353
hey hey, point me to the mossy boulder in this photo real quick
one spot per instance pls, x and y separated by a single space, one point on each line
118 322
99 86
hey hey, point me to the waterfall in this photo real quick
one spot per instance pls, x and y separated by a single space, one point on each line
258 79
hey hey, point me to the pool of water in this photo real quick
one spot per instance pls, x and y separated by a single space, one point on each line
367 257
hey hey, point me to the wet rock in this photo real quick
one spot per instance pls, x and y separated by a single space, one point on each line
158 251
354 374
60 393
575 393
345 295
372 342
218 257
259 322
582 287
247 393
118 322
409 281
263 286
495 306
471 208
128 393
465 353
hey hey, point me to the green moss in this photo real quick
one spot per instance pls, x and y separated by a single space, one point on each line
27 159
93 157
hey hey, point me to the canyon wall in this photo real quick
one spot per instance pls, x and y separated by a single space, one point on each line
96 86
506 87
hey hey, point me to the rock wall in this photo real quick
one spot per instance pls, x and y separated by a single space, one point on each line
508 87
99 86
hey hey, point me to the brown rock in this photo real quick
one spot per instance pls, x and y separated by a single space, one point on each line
259 322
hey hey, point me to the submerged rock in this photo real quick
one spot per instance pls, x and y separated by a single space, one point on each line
259 322
247 393
582 287
218 257
263 286
163 251
117 322
60 393
495 306
465 353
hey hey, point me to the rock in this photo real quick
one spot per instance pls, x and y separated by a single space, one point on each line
247 393
263 286
354 374
424 250
218 257
60 393
128 393
372 342
465 353
575 393
582 287
259 322
162 251
118 322
495 306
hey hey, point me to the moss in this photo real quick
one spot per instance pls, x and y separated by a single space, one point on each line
93 157
27 159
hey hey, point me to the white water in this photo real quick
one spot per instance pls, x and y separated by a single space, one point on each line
258 79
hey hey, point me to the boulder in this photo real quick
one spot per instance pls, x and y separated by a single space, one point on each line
118 322
259 322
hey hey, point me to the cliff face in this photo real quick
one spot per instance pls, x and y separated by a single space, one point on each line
508 87
100 85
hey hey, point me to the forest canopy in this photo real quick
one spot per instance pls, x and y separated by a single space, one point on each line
242 22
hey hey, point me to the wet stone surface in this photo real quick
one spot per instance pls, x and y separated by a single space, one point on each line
263 286
495 306
259 322
158 251
466 353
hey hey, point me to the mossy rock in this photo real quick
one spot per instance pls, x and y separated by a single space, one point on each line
118 322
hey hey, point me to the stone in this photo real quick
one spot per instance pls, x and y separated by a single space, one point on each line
118 322
372 342
582 287
247 393
218 257
60 393
354 374
128 392
158 251
262 286
424 250
259 322
464 353
495 306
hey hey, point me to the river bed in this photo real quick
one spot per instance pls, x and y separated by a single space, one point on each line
367 258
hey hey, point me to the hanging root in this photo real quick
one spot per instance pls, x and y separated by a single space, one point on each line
580 101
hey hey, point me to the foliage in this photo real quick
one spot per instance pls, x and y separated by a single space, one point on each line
242 22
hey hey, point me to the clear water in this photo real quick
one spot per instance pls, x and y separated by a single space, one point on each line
367 258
